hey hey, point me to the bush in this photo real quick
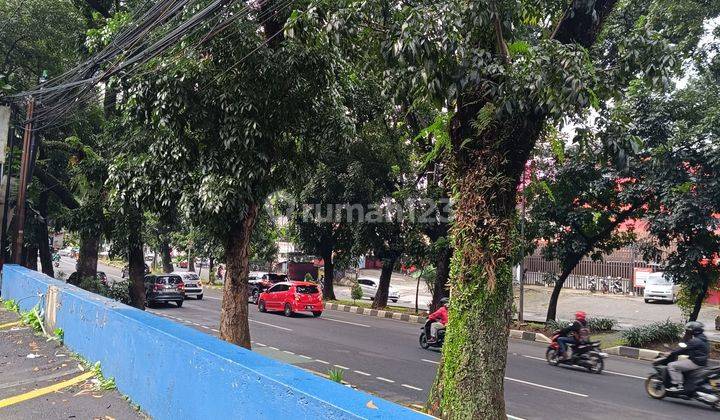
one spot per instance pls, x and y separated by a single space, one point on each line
657 332
594 324
356 292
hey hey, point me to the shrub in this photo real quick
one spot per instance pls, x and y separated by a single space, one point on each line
594 324
32 319
11 305
557 325
356 292
657 332
336 375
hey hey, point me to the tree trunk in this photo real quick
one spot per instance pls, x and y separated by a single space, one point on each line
442 274
32 256
329 268
166 257
136 260
88 256
557 288
43 233
211 268
700 298
381 296
234 326
191 259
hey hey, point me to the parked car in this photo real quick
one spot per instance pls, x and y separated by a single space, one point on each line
659 287
183 264
164 288
193 284
291 297
126 271
259 282
369 287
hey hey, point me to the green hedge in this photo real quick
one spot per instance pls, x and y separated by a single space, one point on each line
596 325
658 332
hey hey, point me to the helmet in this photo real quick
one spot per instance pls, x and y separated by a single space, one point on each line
444 301
694 327
580 315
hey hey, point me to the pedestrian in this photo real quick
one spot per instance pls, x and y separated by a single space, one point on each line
221 273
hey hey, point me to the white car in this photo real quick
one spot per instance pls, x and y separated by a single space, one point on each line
369 287
660 287
65 252
193 284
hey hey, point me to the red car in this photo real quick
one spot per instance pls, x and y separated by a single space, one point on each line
291 297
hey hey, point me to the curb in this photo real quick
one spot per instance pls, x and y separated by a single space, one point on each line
529 336
633 352
398 316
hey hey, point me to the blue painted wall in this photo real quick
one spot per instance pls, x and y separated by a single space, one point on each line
175 372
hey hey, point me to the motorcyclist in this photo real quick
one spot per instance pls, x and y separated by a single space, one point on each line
696 348
580 334
440 320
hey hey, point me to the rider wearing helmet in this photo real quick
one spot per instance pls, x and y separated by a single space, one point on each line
440 318
696 348
580 333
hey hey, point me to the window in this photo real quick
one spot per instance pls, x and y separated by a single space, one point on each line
367 282
279 288
307 290
168 280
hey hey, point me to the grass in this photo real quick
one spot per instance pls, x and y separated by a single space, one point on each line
11 305
368 304
336 375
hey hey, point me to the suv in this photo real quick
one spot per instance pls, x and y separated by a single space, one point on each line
193 285
258 285
164 288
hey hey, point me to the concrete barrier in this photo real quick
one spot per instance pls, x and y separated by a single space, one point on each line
175 372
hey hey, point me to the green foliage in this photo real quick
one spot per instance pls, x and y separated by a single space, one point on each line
336 375
118 290
103 383
655 333
59 334
11 305
32 319
356 292
595 325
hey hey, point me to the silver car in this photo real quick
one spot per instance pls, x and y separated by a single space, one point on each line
193 284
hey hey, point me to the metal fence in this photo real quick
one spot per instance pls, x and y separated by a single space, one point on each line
583 282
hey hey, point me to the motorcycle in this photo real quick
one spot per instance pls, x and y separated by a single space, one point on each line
604 286
617 287
588 356
701 385
592 286
425 333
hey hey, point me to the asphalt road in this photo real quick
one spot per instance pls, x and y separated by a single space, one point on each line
382 356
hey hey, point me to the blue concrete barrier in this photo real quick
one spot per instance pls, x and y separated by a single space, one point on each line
175 372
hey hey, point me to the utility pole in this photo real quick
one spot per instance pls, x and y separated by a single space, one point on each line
22 192
521 275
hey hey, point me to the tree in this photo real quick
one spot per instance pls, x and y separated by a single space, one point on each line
507 71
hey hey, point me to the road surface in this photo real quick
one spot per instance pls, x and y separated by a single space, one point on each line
382 356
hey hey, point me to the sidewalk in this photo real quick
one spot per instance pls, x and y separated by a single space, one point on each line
40 380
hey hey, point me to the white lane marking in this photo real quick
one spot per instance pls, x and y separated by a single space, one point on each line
546 387
274 348
361 373
385 379
418 406
606 371
305 357
205 326
624 374
346 322
514 418
288 352
411 387
430 361
342 367
216 330
270 325
261 344
322 361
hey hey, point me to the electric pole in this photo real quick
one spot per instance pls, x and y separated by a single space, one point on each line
22 192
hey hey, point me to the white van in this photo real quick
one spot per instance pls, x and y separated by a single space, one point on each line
658 286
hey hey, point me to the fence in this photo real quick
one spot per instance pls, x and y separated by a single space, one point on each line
582 282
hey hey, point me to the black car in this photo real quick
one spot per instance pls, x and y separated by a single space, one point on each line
257 286
164 288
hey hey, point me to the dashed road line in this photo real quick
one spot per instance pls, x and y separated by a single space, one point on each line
533 357
359 372
274 348
546 387
288 352
346 322
215 330
624 374
261 344
269 325
411 387
305 357
205 326
514 417
322 361
342 367
430 361
385 379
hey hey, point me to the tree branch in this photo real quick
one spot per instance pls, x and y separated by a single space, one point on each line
499 39
54 185
95 5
